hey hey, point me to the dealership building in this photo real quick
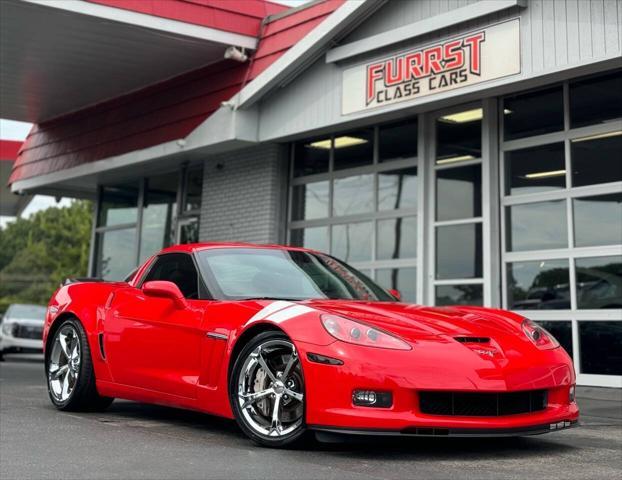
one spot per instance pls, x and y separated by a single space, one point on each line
460 151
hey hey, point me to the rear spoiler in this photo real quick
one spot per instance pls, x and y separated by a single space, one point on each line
70 280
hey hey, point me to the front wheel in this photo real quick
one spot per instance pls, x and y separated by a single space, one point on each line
267 391
69 369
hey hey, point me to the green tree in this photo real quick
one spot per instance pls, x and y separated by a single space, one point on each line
38 253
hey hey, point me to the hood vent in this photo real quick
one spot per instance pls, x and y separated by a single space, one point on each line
472 339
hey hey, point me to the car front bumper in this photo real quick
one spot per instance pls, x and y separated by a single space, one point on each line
9 343
329 390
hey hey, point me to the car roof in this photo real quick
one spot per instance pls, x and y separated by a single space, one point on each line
194 247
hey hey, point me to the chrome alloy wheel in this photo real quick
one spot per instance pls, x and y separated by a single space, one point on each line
270 386
64 363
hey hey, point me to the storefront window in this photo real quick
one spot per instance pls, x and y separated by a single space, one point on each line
533 113
138 219
601 347
459 295
536 169
310 201
596 159
398 141
312 156
116 253
396 238
402 279
597 220
596 100
459 193
542 285
599 282
352 242
119 205
363 208
563 240
459 137
353 195
459 251
397 189
537 226
354 149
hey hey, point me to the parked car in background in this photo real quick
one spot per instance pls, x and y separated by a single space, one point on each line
21 329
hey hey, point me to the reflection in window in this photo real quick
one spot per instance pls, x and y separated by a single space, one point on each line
601 347
315 238
158 217
459 251
596 159
310 201
189 230
597 220
402 279
352 242
537 226
538 285
459 193
119 205
536 169
596 99
312 157
599 282
396 238
353 195
562 331
459 137
354 149
533 113
397 189
194 189
116 255
398 141
459 295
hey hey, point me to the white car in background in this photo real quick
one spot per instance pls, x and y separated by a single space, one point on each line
21 329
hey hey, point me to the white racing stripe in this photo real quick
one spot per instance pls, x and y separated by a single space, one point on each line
280 311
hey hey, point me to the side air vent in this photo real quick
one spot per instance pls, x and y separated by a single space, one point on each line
472 339
101 346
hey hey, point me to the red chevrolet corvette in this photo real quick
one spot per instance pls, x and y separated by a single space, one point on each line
288 340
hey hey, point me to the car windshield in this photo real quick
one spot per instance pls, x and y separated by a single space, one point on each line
31 312
248 273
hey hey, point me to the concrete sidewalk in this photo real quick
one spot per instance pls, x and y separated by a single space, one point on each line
600 406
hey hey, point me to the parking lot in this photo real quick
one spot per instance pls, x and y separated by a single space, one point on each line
132 440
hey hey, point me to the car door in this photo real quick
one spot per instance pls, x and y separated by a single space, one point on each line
152 343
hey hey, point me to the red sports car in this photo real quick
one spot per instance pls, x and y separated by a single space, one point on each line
288 340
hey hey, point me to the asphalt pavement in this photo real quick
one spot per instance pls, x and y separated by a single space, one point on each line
136 441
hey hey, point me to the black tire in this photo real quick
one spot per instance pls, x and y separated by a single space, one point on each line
84 396
295 438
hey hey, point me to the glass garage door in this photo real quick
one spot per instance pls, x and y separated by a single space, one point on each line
561 183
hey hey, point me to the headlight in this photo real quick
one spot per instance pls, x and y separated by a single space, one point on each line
7 328
539 336
357 333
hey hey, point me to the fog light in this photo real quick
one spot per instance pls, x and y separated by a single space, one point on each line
571 394
371 398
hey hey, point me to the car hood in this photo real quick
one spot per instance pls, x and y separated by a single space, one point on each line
414 322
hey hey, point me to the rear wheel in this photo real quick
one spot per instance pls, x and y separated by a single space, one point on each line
69 369
267 391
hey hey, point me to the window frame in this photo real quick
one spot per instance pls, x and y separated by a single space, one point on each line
571 252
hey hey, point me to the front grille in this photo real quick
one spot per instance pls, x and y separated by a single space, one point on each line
482 404
24 331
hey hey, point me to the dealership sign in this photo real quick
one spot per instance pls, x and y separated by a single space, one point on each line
472 58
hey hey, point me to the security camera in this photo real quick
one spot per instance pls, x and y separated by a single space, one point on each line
234 53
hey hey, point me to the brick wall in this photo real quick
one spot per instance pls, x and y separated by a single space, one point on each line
245 195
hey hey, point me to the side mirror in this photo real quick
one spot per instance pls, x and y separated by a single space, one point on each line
164 289
396 294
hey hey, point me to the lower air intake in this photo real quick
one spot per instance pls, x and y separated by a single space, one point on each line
482 404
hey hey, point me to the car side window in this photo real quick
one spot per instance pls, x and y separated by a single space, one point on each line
179 269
